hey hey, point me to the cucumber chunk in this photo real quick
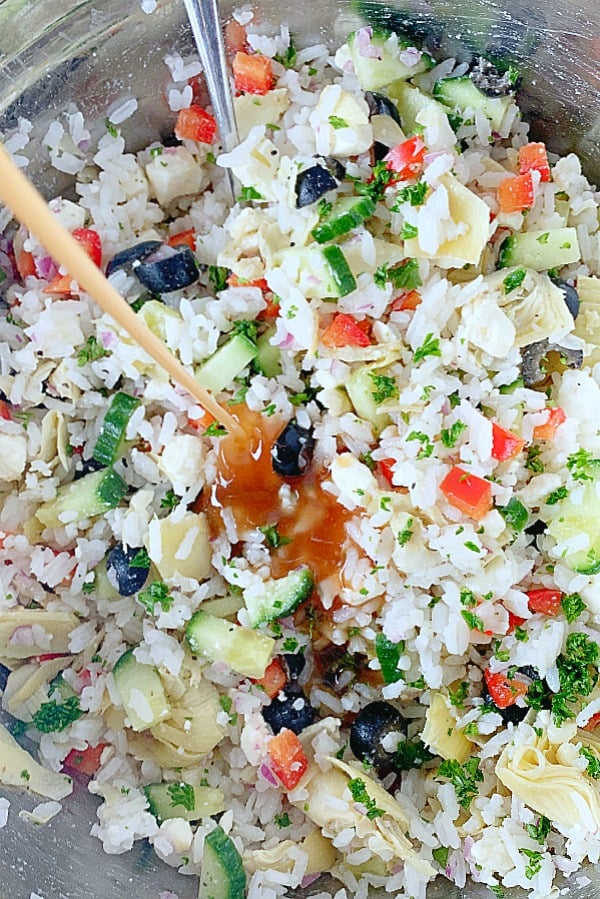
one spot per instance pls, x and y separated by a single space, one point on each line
279 596
461 94
111 439
579 515
540 250
347 214
90 496
410 102
360 390
342 274
374 73
182 800
268 357
222 875
226 363
219 640
141 691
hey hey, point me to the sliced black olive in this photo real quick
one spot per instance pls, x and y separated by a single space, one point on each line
490 81
381 105
176 268
370 727
513 714
534 354
86 466
4 672
380 151
295 664
132 254
292 452
291 710
128 578
334 167
312 184
535 530
570 295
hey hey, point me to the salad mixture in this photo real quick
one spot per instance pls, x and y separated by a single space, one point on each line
360 634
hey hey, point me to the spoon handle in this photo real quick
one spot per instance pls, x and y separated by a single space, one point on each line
205 22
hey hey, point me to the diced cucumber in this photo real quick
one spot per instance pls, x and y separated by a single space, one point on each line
360 390
279 596
308 270
461 94
347 214
244 650
410 102
60 686
111 439
540 250
182 800
91 495
222 875
341 271
374 72
226 363
576 515
268 357
224 606
141 691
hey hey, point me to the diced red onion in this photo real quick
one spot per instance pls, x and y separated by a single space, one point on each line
107 338
410 57
348 67
469 843
46 267
268 775
22 636
287 342
365 47
309 878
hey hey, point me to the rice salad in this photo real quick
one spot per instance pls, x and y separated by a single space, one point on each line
359 634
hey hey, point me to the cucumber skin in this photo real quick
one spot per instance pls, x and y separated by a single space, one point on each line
219 640
525 249
296 587
111 438
340 270
344 218
226 363
90 496
128 663
222 875
161 806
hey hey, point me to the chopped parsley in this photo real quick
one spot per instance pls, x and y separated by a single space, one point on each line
450 435
141 559
388 655
273 538
464 778
474 621
25 774
413 194
405 275
111 128
406 533
409 231
426 445
535 862
593 766
385 388
288 57
156 594
572 605
543 238
53 717
218 275
533 461
380 180
249 193
578 675
169 500
381 276
556 496
514 280
324 208
182 794
337 122
515 514
226 703
578 463
90 352
246 328
411 754
282 820
540 830
457 697
215 429
440 854
429 347
359 793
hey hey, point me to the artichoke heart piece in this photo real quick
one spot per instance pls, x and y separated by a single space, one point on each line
322 856
19 769
545 777
25 688
441 734
25 633
536 306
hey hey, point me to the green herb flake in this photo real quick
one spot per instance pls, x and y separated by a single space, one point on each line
337 122
169 500
578 675
411 754
406 533
514 280
572 605
53 717
464 778
88 586
426 449
218 276
141 559
246 328
515 514
473 547
389 654
249 193
282 820
288 57
182 794
273 538
535 862
521 634
91 352
474 621
440 854
110 128
540 830
385 388
215 429
25 774
593 767
579 464
449 436
543 238
557 496
406 276
413 194
533 461
457 697
156 594
358 791
409 231
429 347
497 890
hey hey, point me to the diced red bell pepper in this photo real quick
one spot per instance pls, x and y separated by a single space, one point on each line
91 243
252 73
505 444
234 281
592 723
61 285
514 621
235 36
406 160
5 412
516 194
533 157
183 238
503 690
407 302
84 761
274 679
26 264
287 757
467 492
204 421
386 467
344 330
547 430
544 600
195 123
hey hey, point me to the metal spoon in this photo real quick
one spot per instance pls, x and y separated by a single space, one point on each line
205 22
